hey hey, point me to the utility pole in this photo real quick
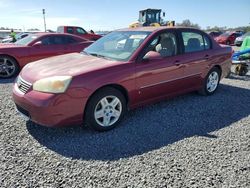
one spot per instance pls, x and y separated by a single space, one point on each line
44 20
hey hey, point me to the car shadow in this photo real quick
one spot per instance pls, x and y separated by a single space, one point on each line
150 128
237 77
7 81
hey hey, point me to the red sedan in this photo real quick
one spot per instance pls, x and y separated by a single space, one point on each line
123 70
227 38
35 47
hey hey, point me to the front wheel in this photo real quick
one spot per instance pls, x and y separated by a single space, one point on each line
8 67
105 109
211 82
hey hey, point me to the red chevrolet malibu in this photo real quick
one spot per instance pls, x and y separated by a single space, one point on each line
123 70
14 57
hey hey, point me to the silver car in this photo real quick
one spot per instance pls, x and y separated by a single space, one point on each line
239 40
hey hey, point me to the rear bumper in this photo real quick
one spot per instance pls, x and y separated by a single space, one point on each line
51 110
238 43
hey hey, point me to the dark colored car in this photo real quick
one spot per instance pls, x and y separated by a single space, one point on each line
239 40
79 32
35 47
215 34
227 38
123 70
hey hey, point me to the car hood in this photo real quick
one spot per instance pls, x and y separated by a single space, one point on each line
9 45
64 65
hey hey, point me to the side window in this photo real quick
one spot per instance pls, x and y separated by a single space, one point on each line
194 42
165 44
70 30
69 40
46 41
53 40
80 31
58 40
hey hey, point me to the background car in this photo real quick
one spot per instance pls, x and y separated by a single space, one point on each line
122 70
239 40
18 37
35 47
227 38
74 30
215 34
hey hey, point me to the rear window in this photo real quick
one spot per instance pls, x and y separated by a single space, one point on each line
60 30
194 42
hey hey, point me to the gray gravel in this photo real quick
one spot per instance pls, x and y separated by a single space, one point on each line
189 141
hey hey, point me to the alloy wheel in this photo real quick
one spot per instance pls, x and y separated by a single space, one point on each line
108 111
212 81
7 67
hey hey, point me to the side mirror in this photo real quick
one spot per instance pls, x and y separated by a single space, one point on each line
152 55
38 43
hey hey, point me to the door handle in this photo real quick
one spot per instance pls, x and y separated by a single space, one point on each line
207 57
178 63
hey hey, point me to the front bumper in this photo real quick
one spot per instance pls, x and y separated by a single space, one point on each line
51 110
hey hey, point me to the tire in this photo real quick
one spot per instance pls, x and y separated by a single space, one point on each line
105 109
211 82
228 42
8 67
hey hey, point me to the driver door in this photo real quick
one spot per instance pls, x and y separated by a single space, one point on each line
161 74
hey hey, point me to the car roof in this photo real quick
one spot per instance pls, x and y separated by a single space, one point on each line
57 34
153 29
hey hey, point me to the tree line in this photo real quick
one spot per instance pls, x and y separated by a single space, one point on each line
188 23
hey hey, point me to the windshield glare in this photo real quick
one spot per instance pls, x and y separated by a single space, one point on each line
118 45
26 40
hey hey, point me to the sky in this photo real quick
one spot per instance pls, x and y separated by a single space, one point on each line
114 14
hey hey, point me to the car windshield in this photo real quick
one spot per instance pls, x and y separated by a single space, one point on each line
26 40
20 36
118 45
225 34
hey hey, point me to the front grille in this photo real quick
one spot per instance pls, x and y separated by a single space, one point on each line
22 85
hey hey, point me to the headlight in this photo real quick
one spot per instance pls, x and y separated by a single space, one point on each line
55 84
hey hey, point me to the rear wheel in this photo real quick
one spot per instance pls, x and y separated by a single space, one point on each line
228 42
105 109
8 67
211 82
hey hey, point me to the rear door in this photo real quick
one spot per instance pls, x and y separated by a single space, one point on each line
197 56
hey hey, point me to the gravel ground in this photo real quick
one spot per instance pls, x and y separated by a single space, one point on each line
189 141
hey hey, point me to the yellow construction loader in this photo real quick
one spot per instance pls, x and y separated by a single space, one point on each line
151 17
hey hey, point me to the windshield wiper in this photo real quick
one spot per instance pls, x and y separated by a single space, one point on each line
101 56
